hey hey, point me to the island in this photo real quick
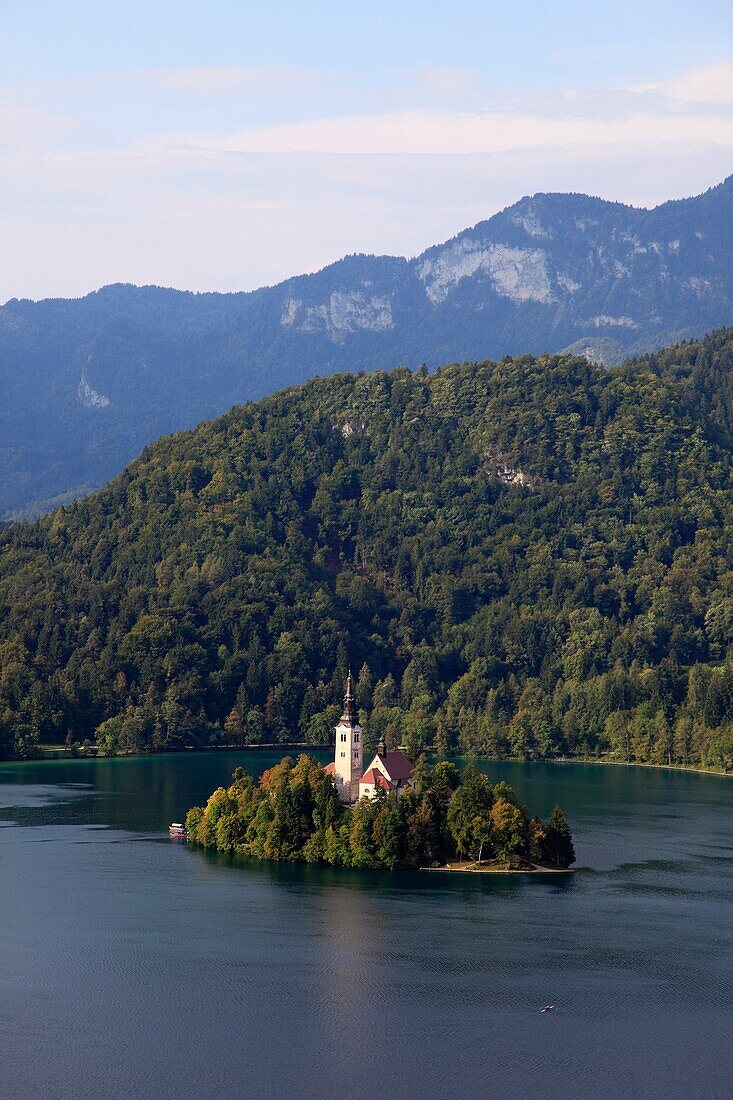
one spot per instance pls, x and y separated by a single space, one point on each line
395 815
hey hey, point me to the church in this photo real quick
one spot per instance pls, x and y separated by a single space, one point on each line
390 770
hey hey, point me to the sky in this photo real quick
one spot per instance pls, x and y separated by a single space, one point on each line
227 145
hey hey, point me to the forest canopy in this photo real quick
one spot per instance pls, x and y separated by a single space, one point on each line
526 557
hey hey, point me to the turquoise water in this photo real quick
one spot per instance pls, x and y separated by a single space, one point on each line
132 967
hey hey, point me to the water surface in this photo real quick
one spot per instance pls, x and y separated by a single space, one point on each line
133 968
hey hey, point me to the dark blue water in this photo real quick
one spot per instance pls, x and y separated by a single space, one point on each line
133 968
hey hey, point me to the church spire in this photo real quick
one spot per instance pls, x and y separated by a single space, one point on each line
349 701
347 762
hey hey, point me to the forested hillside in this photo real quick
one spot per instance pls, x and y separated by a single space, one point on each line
703 369
87 383
528 556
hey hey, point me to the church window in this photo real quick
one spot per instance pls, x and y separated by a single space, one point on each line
356 755
356 736
343 754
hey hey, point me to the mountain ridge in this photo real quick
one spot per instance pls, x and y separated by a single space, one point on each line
725 184
91 380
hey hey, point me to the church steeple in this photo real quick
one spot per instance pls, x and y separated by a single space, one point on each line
349 714
347 764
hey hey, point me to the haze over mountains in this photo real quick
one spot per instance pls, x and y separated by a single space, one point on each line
88 382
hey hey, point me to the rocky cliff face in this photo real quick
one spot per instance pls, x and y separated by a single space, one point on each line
89 382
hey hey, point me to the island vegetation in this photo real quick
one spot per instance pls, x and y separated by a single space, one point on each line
293 814
524 558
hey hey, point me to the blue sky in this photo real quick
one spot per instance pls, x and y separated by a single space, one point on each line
225 145
519 43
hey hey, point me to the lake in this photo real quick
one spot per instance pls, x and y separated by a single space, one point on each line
133 968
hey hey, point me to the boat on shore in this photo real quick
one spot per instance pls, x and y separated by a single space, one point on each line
177 831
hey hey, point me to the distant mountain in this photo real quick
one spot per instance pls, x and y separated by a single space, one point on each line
88 382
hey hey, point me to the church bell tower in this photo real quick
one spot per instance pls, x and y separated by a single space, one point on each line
348 764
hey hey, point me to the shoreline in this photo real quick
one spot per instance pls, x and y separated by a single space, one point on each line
53 754
473 869
56 753
619 764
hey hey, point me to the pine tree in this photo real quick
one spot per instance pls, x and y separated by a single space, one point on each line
558 844
364 688
385 693
234 727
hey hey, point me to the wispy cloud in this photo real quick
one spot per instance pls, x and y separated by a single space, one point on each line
709 84
452 132
230 177
25 126
217 80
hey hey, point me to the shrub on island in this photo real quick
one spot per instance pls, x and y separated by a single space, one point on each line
293 814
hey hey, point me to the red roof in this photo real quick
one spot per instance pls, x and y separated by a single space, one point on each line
330 769
375 776
396 764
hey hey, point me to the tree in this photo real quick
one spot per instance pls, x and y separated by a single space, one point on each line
234 727
385 693
420 677
558 847
481 834
364 688
425 822
418 726
618 734
422 774
508 828
535 840
361 835
530 730
321 726
445 776
274 724
469 805
254 726
390 837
